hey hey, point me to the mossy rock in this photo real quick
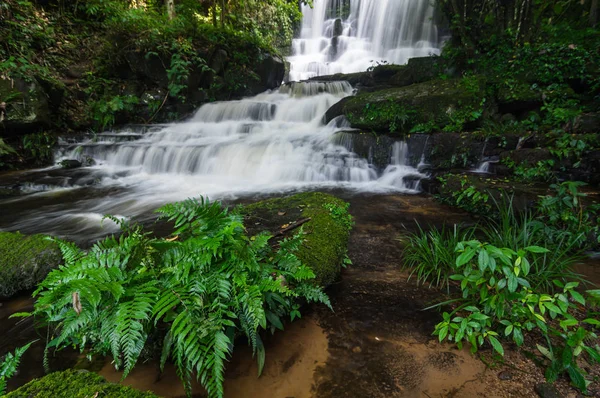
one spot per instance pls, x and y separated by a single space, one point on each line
438 102
27 106
327 233
25 261
76 384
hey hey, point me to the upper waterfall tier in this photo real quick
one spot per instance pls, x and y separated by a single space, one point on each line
375 31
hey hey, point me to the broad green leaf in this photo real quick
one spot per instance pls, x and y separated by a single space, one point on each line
496 344
465 257
537 249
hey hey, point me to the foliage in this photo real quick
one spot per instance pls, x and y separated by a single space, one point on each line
9 365
468 197
565 217
105 109
430 254
75 384
396 117
196 290
498 300
39 146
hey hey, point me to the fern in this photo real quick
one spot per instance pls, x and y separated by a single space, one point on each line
199 289
9 365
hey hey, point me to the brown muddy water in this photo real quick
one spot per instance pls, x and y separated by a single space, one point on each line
376 343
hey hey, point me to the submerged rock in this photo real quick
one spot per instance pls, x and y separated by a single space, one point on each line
25 261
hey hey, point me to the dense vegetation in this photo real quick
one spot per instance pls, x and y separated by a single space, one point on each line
512 279
188 297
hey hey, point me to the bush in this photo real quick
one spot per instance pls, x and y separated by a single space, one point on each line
25 261
194 291
498 300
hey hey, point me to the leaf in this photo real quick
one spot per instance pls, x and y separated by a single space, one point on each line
577 297
545 352
260 355
537 249
465 257
496 344
577 378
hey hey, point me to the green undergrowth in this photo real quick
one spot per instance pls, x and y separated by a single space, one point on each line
326 234
75 384
25 261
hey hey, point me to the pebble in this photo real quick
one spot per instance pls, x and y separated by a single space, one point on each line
505 375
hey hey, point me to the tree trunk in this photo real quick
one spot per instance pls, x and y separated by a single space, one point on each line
223 13
594 13
170 4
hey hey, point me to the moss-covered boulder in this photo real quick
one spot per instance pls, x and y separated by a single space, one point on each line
25 261
27 106
326 243
75 384
445 104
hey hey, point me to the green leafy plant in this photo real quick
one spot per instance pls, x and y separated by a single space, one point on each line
498 301
104 110
9 365
565 216
341 214
194 292
39 146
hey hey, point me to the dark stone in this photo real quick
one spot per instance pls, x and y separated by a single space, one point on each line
417 70
587 123
547 390
271 71
148 67
70 164
505 375
338 28
218 62
520 98
336 110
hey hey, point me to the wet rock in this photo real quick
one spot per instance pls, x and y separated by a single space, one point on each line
547 390
338 28
70 164
218 61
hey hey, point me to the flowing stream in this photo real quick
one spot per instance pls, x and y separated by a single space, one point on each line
272 143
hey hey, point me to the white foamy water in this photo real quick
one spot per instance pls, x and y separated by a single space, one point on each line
274 142
375 31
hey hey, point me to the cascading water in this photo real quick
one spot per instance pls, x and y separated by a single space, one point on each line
271 143
374 31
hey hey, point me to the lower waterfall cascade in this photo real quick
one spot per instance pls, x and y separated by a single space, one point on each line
272 143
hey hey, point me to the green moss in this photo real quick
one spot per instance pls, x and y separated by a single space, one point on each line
75 384
25 261
327 233
449 104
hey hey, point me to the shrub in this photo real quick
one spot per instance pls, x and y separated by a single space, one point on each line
9 365
197 291
498 300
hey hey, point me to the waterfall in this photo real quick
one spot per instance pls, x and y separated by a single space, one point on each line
375 31
274 142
